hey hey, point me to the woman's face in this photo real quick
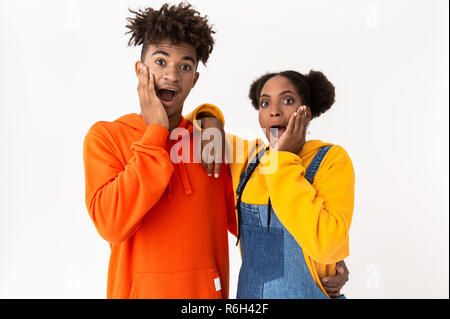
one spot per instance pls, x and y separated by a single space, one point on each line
278 101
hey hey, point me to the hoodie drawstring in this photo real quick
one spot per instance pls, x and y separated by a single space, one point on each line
184 178
170 190
182 172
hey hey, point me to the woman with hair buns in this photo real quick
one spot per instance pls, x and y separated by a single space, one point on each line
295 197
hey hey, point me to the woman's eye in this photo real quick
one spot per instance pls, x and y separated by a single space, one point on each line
159 62
264 104
186 67
288 101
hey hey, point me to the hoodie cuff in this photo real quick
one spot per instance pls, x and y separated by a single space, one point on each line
155 135
213 110
273 161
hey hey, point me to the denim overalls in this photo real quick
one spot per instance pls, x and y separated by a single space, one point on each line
273 265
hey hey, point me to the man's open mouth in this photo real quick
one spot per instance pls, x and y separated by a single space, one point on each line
277 130
167 94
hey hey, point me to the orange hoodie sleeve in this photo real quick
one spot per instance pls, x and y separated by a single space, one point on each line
117 197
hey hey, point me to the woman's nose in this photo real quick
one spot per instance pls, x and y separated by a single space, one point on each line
275 110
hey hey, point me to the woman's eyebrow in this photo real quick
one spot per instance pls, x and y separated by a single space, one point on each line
287 91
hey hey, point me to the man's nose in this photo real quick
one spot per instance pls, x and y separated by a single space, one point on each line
171 74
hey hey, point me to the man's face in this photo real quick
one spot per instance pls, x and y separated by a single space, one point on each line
174 68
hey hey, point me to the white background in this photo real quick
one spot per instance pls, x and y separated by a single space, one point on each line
65 65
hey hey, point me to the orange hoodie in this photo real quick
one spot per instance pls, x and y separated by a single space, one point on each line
166 223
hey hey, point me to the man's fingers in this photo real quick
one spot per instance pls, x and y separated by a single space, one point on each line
152 86
335 295
210 162
210 169
341 267
331 282
141 86
208 158
139 75
218 164
145 76
331 289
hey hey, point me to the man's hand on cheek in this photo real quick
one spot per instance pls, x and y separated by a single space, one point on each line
152 109
212 144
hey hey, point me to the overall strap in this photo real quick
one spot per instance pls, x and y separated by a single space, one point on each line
250 169
315 163
244 179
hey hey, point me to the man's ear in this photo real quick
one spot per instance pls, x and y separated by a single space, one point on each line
136 67
196 76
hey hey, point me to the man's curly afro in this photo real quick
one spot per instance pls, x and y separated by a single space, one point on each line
176 23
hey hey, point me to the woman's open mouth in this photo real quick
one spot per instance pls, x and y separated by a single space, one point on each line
276 131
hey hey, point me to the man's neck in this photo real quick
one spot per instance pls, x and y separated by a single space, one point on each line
174 121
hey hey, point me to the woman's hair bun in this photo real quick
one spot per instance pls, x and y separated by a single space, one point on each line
322 92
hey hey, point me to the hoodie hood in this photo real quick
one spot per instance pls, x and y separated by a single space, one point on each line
136 122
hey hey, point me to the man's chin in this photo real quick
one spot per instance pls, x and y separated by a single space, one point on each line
168 104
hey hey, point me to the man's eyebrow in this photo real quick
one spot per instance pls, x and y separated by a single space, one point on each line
161 52
189 58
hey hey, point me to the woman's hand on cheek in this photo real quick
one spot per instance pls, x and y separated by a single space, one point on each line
294 137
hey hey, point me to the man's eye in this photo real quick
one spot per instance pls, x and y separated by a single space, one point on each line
288 101
264 104
186 67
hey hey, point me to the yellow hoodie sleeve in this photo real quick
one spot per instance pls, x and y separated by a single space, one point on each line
237 150
205 108
318 216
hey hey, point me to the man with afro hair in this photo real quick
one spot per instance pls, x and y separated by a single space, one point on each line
165 219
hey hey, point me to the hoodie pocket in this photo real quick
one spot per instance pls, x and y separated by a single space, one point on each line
193 284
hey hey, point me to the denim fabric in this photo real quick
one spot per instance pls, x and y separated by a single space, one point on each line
315 163
273 265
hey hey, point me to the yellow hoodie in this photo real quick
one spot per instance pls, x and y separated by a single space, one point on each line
319 215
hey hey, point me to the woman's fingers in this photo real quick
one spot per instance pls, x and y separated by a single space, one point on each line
304 120
291 125
298 119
